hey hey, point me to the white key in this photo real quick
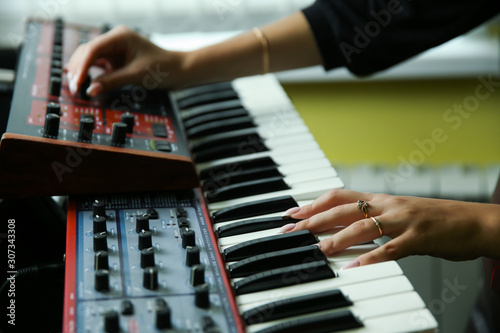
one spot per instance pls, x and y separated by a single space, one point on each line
345 277
301 153
356 292
421 321
302 191
364 309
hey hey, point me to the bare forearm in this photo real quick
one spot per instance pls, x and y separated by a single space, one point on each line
290 45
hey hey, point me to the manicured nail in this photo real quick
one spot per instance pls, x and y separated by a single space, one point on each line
287 227
352 264
290 212
72 85
94 89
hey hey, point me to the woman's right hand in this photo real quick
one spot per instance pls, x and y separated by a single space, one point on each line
126 58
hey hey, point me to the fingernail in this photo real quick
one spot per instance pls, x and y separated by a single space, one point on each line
290 212
94 89
352 264
69 76
72 86
287 227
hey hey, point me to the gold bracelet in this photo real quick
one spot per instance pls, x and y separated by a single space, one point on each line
265 49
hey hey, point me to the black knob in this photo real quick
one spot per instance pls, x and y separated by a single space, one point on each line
142 223
98 224
98 208
183 222
188 238
197 275
150 278
55 86
54 108
192 255
201 296
51 127
100 242
163 315
128 119
111 322
145 240
101 282
82 92
86 129
148 257
152 213
101 260
119 134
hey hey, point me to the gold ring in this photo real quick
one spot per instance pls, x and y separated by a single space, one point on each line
363 205
379 226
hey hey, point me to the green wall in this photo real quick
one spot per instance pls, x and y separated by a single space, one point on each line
389 121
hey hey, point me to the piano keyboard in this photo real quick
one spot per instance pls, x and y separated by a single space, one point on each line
257 158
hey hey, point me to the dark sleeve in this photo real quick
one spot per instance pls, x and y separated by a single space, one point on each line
371 35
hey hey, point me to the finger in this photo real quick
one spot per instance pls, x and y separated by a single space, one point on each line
326 201
395 249
359 232
104 45
112 80
329 220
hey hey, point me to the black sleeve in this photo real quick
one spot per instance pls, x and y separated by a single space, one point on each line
371 35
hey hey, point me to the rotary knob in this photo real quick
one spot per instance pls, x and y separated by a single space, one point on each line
163 317
98 208
188 238
111 322
55 86
101 282
51 126
142 223
145 240
150 278
118 134
101 260
100 242
192 256
98 224
86 129
197 275
148 257
82 92
201 296
128 119
53 108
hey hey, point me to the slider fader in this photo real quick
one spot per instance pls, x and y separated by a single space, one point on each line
128 140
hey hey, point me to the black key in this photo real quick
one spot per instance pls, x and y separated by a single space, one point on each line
246 189
246 226
209 108
215 116
240 176
276 259
283 277
295 306
249 146
269 244
254 208
219 96
220 126
329 322
236 166
220 139
204 89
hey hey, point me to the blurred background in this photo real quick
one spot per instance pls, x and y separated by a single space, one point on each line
397 132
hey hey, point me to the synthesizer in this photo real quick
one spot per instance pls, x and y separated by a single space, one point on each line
212 258
58 144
